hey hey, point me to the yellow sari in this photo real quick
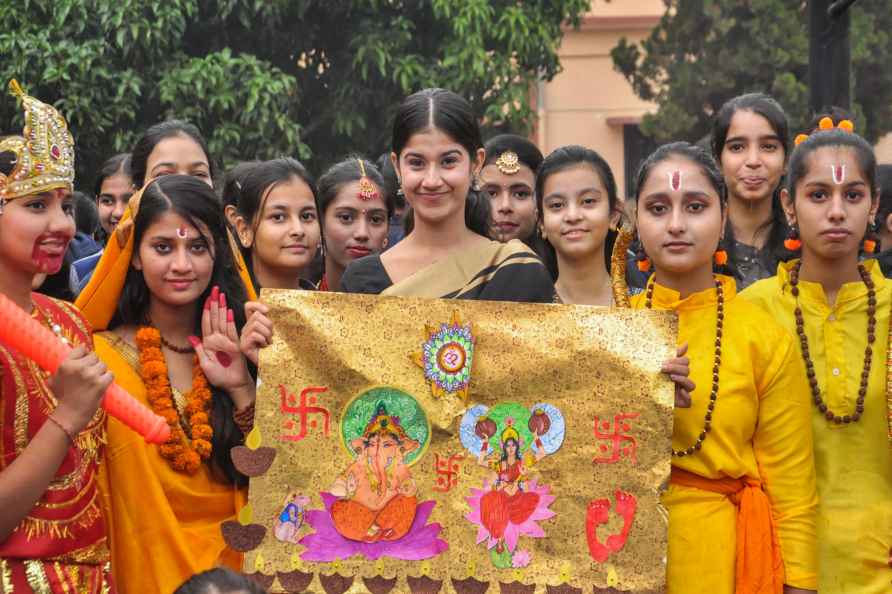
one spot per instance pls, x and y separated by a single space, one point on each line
163 525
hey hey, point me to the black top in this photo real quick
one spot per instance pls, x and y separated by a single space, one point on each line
519 276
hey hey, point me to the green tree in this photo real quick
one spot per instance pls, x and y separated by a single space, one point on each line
261 78
704 52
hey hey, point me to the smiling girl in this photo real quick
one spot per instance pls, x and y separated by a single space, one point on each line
277 223
750 142
742 470
437 154
578 203
52 534
169 304
838 307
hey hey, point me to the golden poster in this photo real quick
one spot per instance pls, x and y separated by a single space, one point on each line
413 445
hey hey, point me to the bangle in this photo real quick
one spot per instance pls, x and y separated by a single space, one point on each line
244 419
68 433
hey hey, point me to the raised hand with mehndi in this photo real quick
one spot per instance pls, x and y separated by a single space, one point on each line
218 352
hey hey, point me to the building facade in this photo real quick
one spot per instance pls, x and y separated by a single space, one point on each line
593 105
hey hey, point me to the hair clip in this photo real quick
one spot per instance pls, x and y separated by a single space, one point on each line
826 123
367 189
508 163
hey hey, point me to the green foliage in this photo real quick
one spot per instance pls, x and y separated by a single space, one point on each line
262 78
705 52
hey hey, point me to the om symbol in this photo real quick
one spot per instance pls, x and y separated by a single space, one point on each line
452 357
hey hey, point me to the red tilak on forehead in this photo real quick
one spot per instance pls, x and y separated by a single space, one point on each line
675 180
839 174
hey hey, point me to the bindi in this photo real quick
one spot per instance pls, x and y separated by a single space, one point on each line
674 180
182 232
839 174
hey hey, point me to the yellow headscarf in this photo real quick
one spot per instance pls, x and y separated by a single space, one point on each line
99 299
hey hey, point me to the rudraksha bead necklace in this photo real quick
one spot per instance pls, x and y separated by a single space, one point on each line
868 352
717 362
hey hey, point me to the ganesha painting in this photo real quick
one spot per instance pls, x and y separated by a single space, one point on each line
372 508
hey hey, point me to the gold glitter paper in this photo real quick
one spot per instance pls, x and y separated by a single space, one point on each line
595 373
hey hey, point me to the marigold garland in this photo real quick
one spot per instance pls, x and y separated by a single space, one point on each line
181 455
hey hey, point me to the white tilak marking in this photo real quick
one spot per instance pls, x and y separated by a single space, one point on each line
839 174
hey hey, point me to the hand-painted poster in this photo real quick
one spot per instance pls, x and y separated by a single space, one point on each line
408 445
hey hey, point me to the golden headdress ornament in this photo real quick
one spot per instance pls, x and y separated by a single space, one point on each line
44 154
508 163
367 189
382 423
826 123
510 432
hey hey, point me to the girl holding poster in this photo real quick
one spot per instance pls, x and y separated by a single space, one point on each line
742 467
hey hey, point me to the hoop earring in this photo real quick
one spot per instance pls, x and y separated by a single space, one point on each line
641 259
871 240
793 242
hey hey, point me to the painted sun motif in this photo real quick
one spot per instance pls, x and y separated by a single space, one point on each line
447 356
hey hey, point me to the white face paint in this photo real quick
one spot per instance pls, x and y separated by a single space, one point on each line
839 174
674 181
182 232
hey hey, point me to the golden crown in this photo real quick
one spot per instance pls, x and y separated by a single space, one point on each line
510 433
44 154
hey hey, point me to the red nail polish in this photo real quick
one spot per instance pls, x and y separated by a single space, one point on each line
194 341
215 293
207 303
230 315
222 300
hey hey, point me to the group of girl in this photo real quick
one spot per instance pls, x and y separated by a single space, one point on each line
781 467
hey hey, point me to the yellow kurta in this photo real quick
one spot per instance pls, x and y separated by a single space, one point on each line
761 428
164 525
854 462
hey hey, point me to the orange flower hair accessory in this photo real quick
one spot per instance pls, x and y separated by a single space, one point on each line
826 123
182 455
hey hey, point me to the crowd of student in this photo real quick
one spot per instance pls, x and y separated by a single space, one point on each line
768 252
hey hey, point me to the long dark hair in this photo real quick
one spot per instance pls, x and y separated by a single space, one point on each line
708 166
113 166
452 115
764 105
257 183
144 146
559 160
345 172
196 202
232 182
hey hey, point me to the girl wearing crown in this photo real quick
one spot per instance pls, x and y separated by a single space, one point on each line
52 535
167 302
742 499
837 306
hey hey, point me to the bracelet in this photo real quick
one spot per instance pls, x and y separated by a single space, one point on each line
68 433
244 420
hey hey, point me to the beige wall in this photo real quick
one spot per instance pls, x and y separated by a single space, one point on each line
884 149
589 102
